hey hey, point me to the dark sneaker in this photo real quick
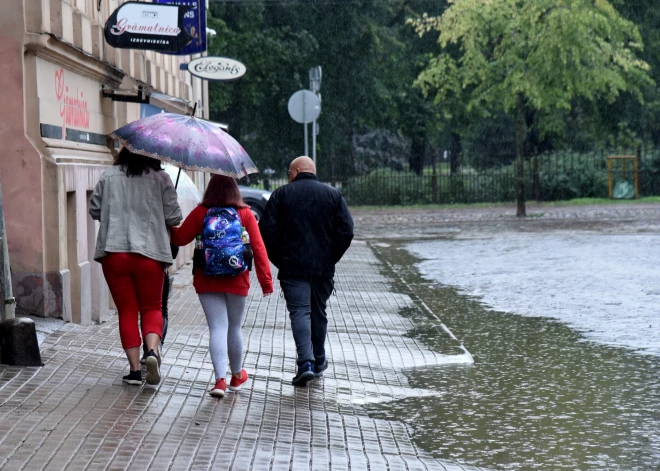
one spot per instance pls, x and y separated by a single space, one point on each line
305 374
145 354
319 369
134 378
153 368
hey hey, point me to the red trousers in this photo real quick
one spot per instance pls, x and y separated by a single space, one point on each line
136 285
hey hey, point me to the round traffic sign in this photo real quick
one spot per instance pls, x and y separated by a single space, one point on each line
304 106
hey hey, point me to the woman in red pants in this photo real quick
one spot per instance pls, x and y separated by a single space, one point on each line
136 203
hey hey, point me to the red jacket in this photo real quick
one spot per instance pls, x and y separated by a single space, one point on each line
239 284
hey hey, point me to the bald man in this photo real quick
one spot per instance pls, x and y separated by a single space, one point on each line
307 228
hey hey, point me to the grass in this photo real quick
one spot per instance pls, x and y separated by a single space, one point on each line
573 202
588 201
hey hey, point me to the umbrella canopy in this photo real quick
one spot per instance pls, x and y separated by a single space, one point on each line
186 189
186 142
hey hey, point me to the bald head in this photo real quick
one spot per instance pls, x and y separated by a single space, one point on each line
301 164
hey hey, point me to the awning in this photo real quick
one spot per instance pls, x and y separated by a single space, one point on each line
144 95
170 103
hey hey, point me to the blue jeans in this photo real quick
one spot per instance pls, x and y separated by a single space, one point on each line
306 301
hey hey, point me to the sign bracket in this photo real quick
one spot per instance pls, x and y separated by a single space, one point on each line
128 96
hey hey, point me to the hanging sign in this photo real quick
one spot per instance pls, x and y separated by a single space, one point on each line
194 23
138 25
216 68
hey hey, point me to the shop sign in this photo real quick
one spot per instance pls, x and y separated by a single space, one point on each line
194 23
216 68
69 105
149 26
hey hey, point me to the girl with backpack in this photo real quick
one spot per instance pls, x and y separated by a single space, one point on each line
224 281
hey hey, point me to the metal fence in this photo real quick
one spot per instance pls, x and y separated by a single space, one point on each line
549 177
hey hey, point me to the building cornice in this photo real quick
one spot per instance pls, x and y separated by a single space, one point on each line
57 51
78 153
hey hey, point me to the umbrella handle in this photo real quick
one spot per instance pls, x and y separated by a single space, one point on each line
177 179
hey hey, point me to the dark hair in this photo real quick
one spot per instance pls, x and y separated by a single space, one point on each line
222 192
136 165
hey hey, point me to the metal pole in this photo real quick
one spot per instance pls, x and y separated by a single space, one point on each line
176 185
638 156
306 150
314 142
305 124
10 302
609 177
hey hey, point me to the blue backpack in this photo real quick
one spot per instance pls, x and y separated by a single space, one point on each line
221 243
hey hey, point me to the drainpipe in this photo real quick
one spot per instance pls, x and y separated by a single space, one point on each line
19 345
10 302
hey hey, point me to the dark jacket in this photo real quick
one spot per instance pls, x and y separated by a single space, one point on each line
306 228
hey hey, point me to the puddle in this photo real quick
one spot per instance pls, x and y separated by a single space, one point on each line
537 397
604 286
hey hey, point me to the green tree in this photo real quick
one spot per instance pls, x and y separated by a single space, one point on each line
369 55
255 106
518 55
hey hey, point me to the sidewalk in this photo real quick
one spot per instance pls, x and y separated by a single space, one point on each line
75 413
417 223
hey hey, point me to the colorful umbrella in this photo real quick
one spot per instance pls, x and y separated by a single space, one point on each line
186 142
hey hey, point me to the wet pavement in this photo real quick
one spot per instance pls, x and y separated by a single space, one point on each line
542 388
75 413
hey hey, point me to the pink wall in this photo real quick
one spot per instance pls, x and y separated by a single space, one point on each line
20 163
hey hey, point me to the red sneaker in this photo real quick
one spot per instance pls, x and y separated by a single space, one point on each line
219 388
237 382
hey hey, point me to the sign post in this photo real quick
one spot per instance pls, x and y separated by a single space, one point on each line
304 107
315 86
305 125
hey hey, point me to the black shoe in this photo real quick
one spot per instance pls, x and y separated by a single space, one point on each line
319 369
145 354
153 368
305 374
134 378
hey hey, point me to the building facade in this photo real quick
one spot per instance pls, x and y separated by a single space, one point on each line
62 90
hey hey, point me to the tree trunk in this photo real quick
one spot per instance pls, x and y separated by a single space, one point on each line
333 181
454 152
521 132
236 115
418 152
537 180
434 178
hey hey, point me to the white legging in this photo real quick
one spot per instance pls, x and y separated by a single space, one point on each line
224 314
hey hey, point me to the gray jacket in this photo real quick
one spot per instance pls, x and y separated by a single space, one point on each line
135 213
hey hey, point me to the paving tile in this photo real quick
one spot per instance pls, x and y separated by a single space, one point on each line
75 413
